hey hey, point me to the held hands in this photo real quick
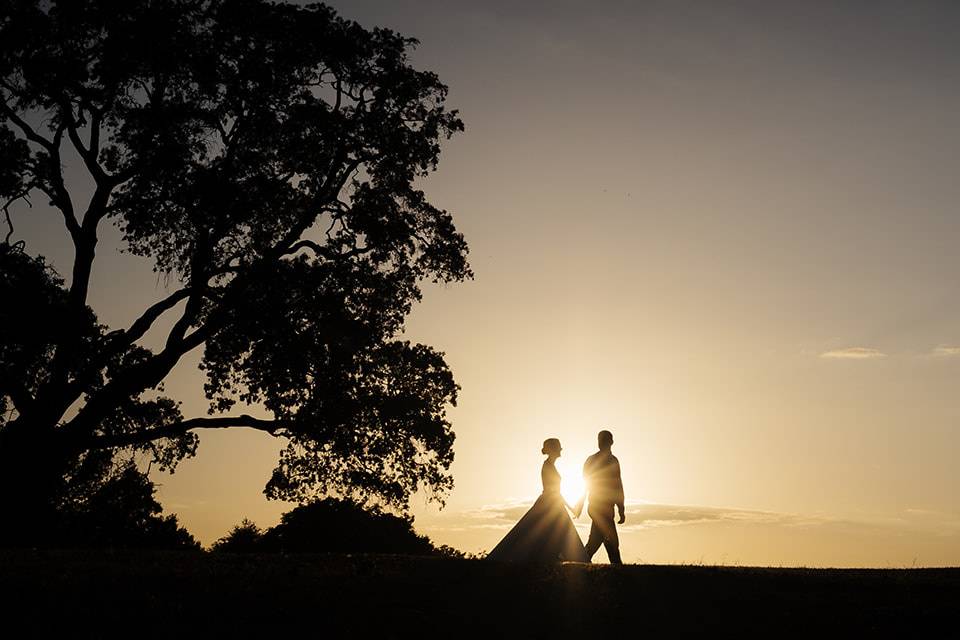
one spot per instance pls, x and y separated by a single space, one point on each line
577 509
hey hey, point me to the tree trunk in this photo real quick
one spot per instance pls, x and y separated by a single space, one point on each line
32 469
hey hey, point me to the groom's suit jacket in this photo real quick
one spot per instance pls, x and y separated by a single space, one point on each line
601 472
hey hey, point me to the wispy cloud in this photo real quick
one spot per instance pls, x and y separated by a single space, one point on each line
646 516
853 353
947 350
639 516
509 511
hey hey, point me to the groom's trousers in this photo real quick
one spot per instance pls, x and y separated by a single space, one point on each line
603 530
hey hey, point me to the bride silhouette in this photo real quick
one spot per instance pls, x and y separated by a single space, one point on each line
545 533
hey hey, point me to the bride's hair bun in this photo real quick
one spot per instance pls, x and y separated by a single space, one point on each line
549 444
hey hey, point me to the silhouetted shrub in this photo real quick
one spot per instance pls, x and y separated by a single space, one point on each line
332 525
120 512
246 537
447 551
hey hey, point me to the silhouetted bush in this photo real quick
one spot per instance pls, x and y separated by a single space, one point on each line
246 537
122 513
332 525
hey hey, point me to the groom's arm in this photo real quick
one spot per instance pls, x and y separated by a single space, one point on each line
578 508
619 496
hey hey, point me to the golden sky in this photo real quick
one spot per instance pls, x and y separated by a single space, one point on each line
726 231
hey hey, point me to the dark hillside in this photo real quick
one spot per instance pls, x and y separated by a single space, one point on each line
142 595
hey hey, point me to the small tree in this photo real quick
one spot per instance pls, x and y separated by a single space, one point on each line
263 157
245 537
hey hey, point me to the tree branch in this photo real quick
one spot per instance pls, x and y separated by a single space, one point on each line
117 340
273 427
305 244
27 130
6 212
142 324
60 197
330 190
85 244
326 252
88 154
94 144
186 320
134 380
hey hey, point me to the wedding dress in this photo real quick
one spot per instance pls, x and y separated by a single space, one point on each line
545 533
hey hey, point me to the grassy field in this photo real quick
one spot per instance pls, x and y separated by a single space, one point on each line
138 595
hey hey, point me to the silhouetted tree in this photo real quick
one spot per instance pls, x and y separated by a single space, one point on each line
264 158
246 537
120 511
332 525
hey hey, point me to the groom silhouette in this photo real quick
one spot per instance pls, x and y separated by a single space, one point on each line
601 474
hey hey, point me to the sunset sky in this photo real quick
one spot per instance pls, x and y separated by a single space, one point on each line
726 231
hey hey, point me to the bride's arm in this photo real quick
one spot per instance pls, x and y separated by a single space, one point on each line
577 509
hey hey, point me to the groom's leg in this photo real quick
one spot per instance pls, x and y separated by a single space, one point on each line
603 530
608 531
613 549
594 541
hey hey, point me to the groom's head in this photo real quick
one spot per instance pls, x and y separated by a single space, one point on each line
604 439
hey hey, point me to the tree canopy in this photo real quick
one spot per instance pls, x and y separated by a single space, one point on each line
265 158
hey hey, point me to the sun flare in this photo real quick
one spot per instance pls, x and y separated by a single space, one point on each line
571 482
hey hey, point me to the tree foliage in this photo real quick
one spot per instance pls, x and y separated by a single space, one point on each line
264 158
